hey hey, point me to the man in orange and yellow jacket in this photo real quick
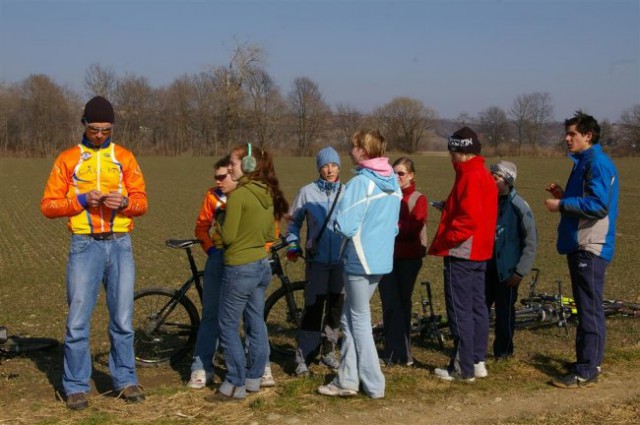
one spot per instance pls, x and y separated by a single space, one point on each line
99 187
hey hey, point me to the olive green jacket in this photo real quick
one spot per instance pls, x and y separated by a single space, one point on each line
248 223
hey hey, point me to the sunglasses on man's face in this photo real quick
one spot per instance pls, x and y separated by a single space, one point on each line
221 177
95 130
401 173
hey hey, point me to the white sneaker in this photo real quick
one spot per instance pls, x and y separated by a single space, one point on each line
333 390
267 378
199 379
443 373
480 370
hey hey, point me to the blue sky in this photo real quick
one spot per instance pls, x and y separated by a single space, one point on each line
454 56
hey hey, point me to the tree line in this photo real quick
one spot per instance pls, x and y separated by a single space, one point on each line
239 102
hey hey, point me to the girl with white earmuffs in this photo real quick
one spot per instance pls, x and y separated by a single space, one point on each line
253 209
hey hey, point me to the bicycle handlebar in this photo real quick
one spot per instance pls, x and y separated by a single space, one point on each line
277 246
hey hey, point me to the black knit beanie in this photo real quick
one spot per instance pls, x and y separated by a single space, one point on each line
464 140
98 109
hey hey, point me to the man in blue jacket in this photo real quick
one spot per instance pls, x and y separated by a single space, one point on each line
586 234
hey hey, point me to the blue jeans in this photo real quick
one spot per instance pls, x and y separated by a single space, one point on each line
209 330
90 263
243 289
359 355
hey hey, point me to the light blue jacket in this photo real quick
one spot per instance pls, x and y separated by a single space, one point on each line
313 203
589 207
368 219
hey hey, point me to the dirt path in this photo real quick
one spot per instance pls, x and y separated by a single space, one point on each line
27 396
480 408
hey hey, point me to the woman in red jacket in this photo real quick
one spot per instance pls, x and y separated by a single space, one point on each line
396 287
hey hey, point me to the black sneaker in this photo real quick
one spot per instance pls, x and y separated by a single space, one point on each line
77 401
573 381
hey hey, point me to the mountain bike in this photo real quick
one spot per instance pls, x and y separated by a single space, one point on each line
541 309
283 309
166 321
426 324
16 344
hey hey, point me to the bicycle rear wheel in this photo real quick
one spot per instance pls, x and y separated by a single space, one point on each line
621 308
18 344
535 317
165 326
283 320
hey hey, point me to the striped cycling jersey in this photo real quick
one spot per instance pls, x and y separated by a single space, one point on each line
81 169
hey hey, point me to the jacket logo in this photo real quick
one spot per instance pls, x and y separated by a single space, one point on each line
582 265
85 155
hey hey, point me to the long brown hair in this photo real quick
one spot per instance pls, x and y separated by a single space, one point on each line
265 173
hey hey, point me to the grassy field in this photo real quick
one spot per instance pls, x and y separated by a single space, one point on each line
34 251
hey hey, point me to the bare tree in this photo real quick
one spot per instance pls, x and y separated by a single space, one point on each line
494 125
230 81
133 100
347 120
607 135
206 119
520 113
464 119
100 81
268 107
531 114
630 128
404 122
43 101
310 111
542 114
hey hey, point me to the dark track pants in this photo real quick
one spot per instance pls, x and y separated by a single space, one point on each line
504 297
395 290
466 312
587 282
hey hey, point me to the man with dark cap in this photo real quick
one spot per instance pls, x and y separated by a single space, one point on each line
324 292
465 240
98 185
514 251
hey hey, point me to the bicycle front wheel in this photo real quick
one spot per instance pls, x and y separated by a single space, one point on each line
283 314
19 344
165 326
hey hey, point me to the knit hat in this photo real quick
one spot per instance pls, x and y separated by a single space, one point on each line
326 156
507 170
98 109
464 140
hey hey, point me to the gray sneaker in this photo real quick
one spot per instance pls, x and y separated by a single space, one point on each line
444 374
331 361
302 369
